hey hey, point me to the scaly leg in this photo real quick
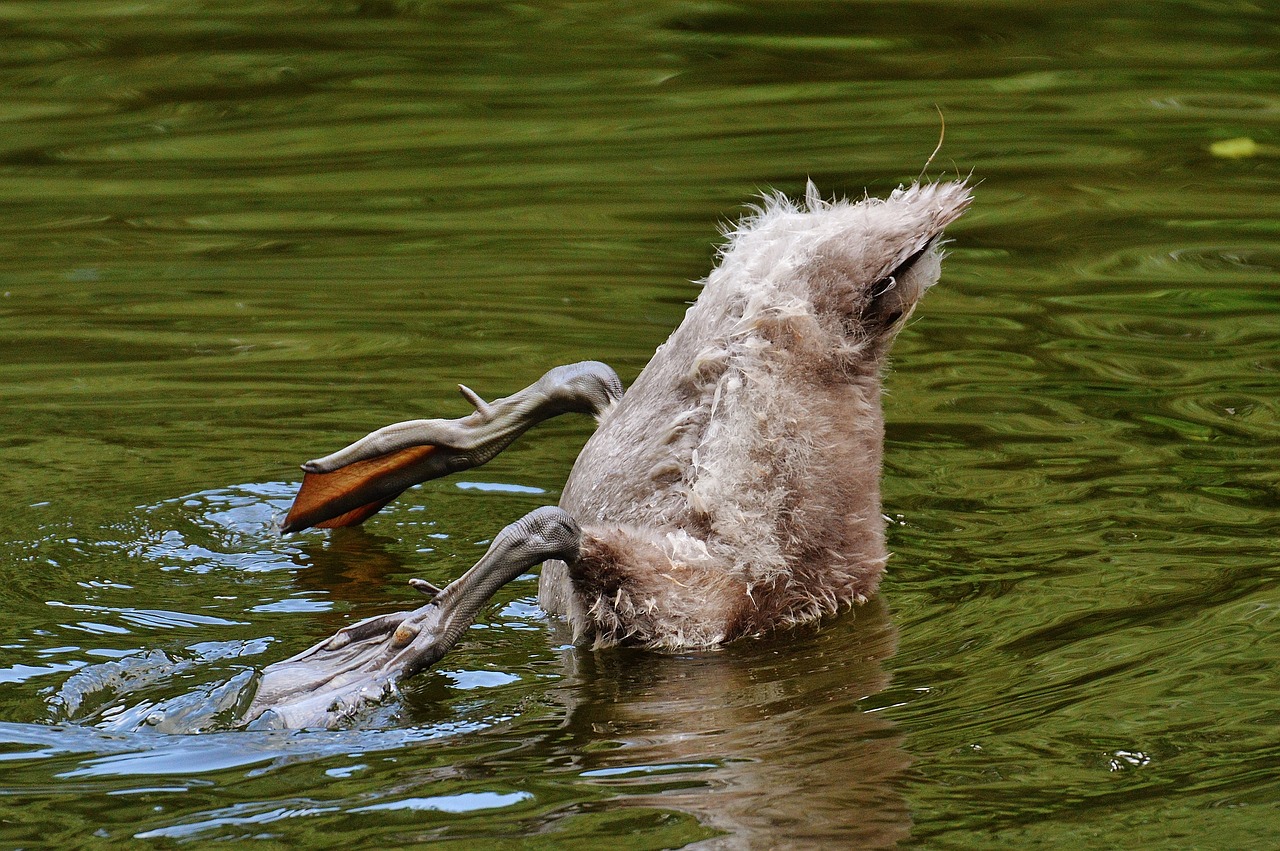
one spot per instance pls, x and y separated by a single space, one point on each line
352 484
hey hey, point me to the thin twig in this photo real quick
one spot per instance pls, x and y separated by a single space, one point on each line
942 134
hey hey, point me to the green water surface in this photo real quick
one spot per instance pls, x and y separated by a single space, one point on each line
237 235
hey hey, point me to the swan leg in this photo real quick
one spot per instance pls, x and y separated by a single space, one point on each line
347 487
360 663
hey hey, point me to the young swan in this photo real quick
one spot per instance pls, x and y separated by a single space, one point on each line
732 490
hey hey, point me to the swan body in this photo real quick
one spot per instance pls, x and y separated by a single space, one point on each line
733 489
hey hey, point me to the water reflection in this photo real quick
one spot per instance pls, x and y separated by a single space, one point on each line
764 741
352 565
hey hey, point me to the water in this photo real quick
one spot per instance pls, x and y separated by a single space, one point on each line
237 235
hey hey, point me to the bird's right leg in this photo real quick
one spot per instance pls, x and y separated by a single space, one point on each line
357 665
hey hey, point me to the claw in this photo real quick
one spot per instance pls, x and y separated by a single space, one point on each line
339 641
474 398
405 633
424 587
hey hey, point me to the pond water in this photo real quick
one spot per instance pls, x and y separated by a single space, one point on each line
237 235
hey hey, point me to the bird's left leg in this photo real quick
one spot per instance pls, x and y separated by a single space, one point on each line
350 485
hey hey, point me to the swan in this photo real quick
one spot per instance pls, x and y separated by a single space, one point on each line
732 490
